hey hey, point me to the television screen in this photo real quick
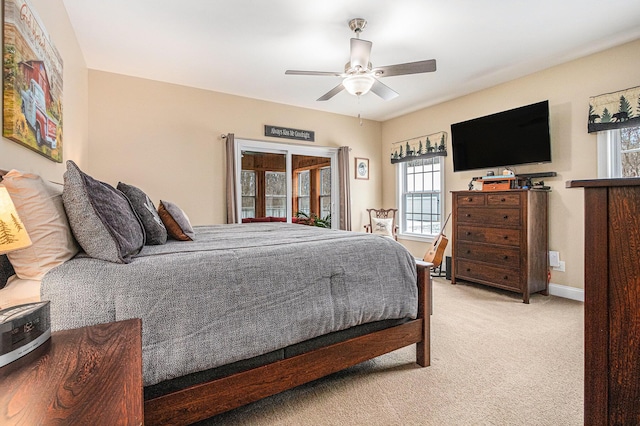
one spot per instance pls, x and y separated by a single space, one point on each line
508 138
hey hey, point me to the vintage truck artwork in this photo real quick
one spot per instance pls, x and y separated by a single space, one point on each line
34 110
32 82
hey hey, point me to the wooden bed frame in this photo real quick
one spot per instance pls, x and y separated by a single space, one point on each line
205 400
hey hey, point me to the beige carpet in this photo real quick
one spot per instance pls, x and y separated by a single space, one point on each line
494 361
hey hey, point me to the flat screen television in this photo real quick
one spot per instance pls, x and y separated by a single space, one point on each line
509 138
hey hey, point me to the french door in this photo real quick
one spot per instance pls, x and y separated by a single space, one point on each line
286 181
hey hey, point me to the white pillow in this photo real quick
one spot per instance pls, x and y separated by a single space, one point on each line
382 226
42 213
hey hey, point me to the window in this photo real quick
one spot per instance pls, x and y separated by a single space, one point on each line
248 178
275 194
420 191
325 191
619 152
304 187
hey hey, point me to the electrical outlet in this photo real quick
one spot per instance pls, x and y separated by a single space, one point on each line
560 267
554 259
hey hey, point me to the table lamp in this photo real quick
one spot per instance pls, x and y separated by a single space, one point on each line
13 235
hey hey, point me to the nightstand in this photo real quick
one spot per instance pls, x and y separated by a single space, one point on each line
81 376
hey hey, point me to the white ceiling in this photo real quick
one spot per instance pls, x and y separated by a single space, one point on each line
243 47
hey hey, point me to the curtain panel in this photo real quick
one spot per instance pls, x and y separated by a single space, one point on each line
232 210
421 147
615 110
345 191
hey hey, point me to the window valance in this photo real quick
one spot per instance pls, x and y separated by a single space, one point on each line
421 147
614 110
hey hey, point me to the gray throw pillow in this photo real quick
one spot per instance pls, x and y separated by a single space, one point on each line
6 270
101 217
176 221
153 227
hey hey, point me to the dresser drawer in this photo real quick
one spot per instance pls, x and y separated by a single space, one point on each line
508 278
475 199
489 216
507 257
478 234
503 199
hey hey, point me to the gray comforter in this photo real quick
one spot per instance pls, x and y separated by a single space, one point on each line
236 292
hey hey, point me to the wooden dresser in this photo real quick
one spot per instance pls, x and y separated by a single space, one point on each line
500 238
612 301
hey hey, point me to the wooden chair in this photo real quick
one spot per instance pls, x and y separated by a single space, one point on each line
380 227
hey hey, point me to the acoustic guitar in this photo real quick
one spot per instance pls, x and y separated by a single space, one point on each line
436 250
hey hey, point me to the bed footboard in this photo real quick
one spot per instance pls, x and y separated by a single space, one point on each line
217 396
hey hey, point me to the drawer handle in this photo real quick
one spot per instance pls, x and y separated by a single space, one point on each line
468 269
506 237
505 257
468 233
468 215
505 217
503 200
469 199
468 251
506 277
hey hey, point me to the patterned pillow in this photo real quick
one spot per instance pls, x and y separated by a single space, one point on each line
101 217
153 227
382 226
176 221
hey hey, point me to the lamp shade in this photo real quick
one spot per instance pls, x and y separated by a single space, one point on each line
13 235
358 84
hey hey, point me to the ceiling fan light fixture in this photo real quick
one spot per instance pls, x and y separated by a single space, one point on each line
358 84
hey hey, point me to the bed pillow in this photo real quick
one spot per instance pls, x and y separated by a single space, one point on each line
382 226
154 229
42 213
176 221
101 217
6 270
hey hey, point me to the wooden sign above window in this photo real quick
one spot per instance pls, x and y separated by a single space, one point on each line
288 133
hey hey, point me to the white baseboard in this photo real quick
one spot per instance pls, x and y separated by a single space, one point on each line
566 292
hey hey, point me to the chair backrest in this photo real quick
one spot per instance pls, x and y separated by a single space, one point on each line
379 221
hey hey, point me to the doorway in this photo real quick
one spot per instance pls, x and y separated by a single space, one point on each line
287 183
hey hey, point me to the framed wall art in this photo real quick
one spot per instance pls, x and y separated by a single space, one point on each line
362 168
32 82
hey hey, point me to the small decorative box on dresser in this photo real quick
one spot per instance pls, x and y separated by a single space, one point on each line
500 238
611 301
86 376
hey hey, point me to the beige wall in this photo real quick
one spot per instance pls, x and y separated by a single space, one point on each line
568 88
165 139
75 98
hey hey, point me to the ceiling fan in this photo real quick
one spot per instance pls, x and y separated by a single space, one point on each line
359 77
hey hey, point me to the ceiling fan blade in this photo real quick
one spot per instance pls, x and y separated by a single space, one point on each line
360 53
408 68
384 91
331 93
327 73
